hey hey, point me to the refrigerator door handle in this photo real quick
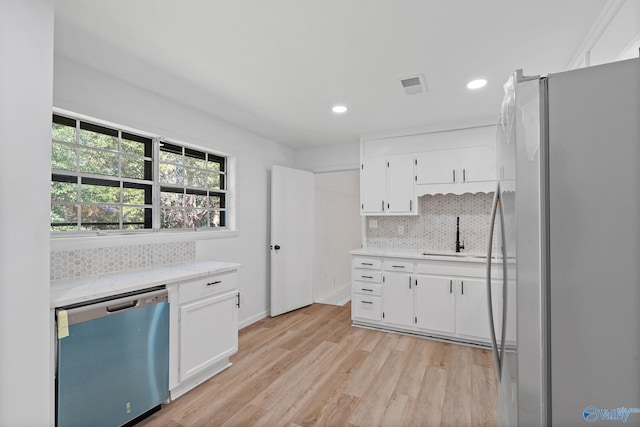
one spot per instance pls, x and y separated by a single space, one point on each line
492 328
505 279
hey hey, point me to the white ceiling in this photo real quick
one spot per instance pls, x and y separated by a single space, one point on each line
276 67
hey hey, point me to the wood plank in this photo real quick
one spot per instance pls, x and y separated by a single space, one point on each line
427 407
310 367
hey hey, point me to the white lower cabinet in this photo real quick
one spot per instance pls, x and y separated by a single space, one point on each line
366 290
204 330
435 304
208 333
472 315
496 290
450 303
397 299
456 306
366 307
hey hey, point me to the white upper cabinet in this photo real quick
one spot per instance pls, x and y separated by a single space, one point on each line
373 185
458 171
477 164
437 167
400 181
397 169
387 186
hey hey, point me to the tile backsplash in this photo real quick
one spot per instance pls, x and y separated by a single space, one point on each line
87 262
434 229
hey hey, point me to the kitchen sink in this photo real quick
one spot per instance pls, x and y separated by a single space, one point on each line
454 254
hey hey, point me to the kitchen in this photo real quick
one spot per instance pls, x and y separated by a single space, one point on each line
104 90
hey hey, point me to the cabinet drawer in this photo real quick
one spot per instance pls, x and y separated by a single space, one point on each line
367 289
209 285
365 307
367 276
391 265
371 263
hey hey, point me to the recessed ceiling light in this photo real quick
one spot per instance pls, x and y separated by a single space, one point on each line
476 84
339 109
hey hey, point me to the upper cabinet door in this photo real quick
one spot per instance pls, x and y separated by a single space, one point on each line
400 188
437 167
373 185
477 164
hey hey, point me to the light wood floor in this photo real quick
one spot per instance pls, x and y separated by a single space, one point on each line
310 367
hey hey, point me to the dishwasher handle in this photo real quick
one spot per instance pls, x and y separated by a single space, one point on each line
125 306
96 309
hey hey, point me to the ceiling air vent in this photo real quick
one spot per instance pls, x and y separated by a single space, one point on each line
413 85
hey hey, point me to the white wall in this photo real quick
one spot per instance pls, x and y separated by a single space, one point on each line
337 224
621 39
338 230
26 65
328 158
614 36
87 91
410 143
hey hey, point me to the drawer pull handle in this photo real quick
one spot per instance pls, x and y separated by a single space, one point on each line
366 302
366 263
214 283
368 290
397 266
367 277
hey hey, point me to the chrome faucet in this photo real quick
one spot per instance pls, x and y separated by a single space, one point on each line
459 245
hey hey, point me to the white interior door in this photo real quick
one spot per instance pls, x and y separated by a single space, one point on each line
292 239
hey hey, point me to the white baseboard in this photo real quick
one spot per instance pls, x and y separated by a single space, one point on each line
252 319
338 297
198 379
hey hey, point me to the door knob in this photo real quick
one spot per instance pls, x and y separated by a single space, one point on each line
276 247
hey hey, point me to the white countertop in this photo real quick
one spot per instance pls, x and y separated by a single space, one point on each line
415 254
71 291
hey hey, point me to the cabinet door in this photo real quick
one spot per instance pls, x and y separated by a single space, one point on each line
472 315
208 332
477 164
373 185
437 167
400 185
435 304
397 299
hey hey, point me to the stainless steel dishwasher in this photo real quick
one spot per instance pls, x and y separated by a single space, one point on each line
112 359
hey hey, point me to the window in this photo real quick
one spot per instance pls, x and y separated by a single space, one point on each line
103 178
192 187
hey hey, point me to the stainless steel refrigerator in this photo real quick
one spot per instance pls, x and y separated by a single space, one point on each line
567 213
